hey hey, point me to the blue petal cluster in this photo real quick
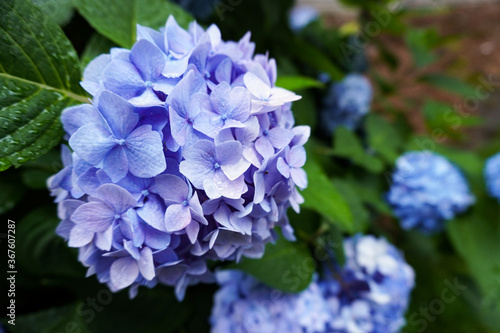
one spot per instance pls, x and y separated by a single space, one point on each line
492 175
427 190
300 16
346 102
187 153
370 294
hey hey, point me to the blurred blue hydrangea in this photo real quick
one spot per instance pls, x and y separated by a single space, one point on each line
492 175
187 153
300 16
370 294
427 190
346 103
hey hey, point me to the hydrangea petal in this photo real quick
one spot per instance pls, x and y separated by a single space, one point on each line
123 272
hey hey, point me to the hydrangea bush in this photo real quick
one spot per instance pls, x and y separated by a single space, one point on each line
370 293
187 153
427 190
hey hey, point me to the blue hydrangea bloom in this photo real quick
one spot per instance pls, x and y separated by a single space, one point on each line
243 304
300 16
346 102
492 175
188 152
427 190
370 294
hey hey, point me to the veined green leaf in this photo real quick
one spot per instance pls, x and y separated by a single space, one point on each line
39 77
117 20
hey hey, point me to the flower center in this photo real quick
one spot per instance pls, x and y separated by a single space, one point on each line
117 217
121 142
149 84
216 165
185 203
223 117
145 193
266 132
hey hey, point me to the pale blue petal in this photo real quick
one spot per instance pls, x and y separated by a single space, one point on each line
116 164
123 78
177 217
152 212
144 150
123 272
93 216
91 143
119 114
146 265
148 58
80 236
119 198
172 188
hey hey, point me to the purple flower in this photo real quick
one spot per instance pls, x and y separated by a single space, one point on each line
100 215
183 207
184 101
139 78
290 166
211 168
225 108
117 144
182 157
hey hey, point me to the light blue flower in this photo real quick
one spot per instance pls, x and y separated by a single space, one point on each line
492 175
346 103
427 190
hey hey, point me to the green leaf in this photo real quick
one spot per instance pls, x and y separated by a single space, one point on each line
39 77
298 82
97 45
347 145
61 319
117 20
158 309
42 252
322 196
287 266
61 11
476 237
36 173
360 215
315 58
12 192
383 138
304 110
421 43
450 84
370 192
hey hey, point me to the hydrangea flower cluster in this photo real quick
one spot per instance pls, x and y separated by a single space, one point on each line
346 103
187 153
370 294
427 190
492 175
